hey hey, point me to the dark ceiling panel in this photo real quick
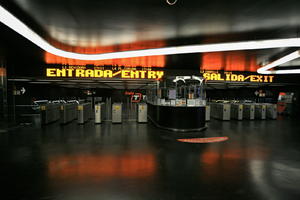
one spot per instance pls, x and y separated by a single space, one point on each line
94 23
108 22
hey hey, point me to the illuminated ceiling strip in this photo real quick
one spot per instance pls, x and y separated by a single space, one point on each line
14 23
266 69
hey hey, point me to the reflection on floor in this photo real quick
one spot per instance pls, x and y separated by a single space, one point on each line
137 161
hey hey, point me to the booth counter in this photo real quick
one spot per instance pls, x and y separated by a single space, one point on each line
182 119
178 104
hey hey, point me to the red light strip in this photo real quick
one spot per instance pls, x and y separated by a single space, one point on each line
204 140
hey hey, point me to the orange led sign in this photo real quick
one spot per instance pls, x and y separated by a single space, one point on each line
97 72
229 76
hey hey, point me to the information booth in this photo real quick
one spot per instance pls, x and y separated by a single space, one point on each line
178 103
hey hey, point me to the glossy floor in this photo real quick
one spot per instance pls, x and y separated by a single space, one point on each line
261 160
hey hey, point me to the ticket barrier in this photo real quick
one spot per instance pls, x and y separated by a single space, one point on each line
249 111
236 111
117 113
271 111
142 112
260 111
83 113
207 113
49 113
68 113
99 113
220 111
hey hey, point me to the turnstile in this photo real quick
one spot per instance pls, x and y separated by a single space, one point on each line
207 113
117 113
68 113
220 111
50 113
98 113
271 111
236 111
83 113
142 112
248 111
260 111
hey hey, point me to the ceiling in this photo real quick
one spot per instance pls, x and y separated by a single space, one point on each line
100 23
112 22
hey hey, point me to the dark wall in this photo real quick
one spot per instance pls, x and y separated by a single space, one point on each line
23 58
3 87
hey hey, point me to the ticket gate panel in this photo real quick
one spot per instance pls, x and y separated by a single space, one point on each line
260 111
263 116
117 113
207 113
271 111
142 112
98 109
249 111
83 113
236 111
220 111
226 111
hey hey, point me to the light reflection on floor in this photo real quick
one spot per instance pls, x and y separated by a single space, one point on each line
138 161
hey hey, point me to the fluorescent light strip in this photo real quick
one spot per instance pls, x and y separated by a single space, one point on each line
14 23
20 79
292 56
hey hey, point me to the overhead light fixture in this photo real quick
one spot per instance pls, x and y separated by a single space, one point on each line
34 82
171 2
19 79
15 24
292 56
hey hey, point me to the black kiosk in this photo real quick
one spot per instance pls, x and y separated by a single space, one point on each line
178 104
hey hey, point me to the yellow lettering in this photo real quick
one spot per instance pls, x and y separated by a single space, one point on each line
98 73
89 73
61 73
135 74
234 77
207 76
271 79
143 74
220 78
125 74
227 77
253 78
79 73
51 72
214 77
241 78
259 78
70 72
108 74
159 74
151 75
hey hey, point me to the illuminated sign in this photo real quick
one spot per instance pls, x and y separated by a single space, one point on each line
229 76
135 97
101 72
